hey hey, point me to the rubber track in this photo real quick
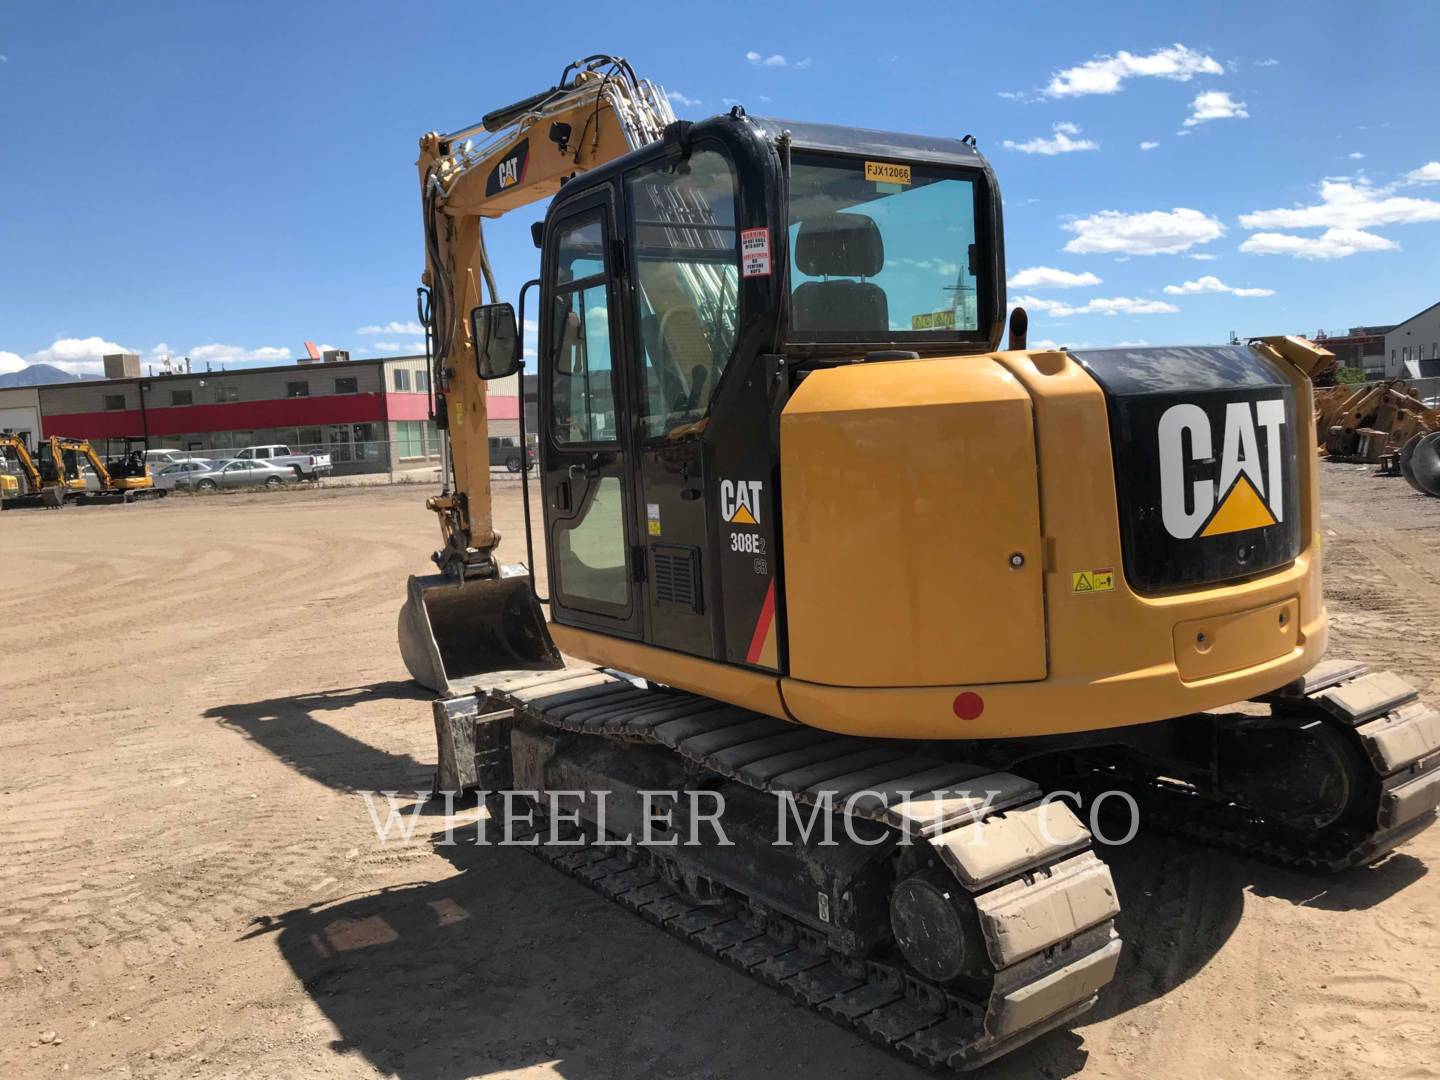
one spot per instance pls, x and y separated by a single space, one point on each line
880 999
1207 820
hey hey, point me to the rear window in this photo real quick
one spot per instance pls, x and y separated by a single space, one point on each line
881 251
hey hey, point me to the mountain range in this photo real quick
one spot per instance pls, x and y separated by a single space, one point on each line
37 375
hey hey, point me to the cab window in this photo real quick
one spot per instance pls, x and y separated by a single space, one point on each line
686 261
581 372
880 251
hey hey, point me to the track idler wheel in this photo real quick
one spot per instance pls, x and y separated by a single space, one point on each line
1298 773
1420 462
935 925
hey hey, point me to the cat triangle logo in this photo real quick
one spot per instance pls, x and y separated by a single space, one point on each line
742 516
1241 509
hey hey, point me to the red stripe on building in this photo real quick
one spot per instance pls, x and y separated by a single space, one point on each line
762 625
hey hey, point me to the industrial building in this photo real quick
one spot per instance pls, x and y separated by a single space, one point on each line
369 415
1413 347
1360 347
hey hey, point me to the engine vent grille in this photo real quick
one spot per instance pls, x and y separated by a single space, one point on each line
677 575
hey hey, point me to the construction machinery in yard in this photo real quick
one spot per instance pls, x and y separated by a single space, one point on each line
122 477
817 544
1385 423
23 482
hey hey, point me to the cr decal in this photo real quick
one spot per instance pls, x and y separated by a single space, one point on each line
1246 492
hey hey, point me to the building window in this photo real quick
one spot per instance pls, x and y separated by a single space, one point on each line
422 381
408 442
347 385
114 402
402 379
227 393
181 397
297 389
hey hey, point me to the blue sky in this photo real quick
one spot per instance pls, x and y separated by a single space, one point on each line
228 180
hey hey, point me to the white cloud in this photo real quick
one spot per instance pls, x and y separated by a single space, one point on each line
1211 284
1331 244
1215 105
1356 155
1348 204
1202 256
682 99
384 346
410 327
803 64
1047 277
760 60
1061 143
1011 95
1106 74
1157 232
1272 62
10 361
1428 173
1148 144
78 356
1101 305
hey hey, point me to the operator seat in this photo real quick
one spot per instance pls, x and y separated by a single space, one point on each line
843 246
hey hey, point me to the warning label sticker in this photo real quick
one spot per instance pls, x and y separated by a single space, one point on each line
652 518
1089 581
754 253
933 320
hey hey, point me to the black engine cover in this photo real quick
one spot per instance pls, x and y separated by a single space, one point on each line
1205 463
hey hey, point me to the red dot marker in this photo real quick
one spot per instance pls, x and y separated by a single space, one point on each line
969 705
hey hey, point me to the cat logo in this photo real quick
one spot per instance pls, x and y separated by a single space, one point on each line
740 501
509 171
1246 493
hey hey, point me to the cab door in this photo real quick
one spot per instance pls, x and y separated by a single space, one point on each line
589 496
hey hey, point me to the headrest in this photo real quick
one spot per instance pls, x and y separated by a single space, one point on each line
844 245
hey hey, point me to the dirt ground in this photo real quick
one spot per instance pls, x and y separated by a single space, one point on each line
194 692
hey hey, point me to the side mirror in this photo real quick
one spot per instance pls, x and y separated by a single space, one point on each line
497 340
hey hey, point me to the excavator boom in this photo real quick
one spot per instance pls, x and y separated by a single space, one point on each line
473 616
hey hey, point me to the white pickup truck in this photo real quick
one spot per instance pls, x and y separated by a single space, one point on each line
306 466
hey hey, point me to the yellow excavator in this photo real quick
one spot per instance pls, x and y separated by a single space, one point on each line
821 551
24 481
124 477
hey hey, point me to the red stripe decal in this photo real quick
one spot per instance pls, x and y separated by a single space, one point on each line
762 625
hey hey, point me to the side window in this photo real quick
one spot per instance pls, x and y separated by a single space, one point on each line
582 384
686 258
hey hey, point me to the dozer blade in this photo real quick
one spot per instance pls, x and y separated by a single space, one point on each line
453 631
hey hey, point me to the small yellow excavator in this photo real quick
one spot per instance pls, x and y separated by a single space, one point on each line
820 550
23 482
122 478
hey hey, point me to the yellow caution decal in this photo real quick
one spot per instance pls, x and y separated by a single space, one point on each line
1092 581
1241 509
933 320
885 172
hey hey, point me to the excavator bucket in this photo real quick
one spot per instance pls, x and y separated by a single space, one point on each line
452 631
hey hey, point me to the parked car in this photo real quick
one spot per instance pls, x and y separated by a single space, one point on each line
506 451
305 466
235 473
159 459
169 476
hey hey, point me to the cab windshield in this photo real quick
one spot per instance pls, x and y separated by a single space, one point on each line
881 251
